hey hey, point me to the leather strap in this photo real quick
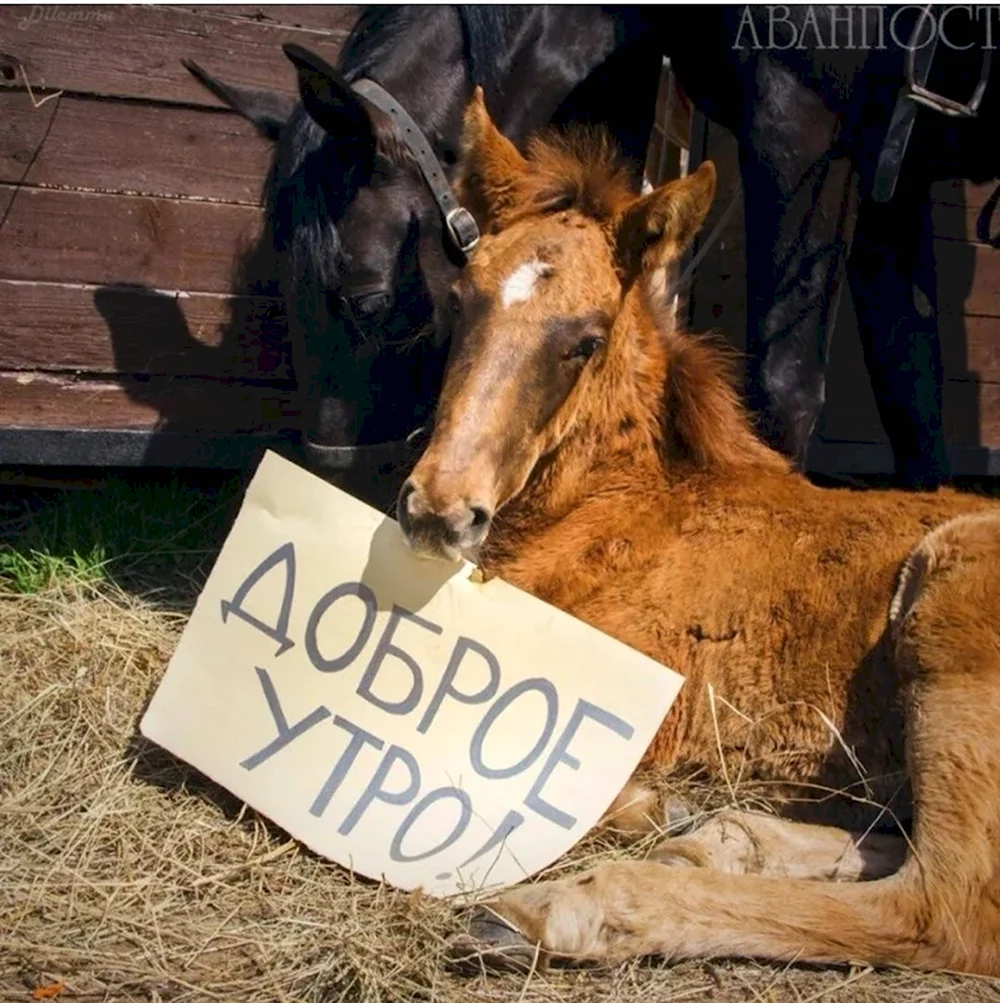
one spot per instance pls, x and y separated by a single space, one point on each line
897 137
458 221
914 91
395 453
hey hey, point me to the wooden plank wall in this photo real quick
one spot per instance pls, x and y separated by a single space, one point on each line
136 291
849 437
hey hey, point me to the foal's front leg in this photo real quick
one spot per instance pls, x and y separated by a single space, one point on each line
629 909
941 910
640 811
741 842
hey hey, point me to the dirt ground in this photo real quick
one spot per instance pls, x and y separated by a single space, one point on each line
125 875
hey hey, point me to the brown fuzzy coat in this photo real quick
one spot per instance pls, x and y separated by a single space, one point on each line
842 645
743 577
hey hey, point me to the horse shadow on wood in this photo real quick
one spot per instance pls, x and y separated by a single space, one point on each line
217 400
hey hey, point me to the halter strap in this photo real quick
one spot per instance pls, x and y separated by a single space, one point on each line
393 453
458 221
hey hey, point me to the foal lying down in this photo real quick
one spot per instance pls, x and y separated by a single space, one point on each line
843 647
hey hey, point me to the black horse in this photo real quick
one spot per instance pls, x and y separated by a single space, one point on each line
368 263
802 89
367 256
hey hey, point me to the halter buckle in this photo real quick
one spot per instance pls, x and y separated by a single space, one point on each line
462 228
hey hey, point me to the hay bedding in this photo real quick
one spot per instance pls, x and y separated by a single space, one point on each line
125 875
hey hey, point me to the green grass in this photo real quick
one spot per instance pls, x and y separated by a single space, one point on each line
144 531
35 570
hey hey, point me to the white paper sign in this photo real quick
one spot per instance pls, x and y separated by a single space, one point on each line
393 714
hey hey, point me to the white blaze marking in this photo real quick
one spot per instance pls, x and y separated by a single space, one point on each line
521 282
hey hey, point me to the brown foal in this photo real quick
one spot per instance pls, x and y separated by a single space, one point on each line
842 646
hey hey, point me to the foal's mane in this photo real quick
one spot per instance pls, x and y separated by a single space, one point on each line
577 167
705 425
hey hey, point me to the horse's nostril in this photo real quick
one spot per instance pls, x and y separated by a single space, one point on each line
403 503
480 517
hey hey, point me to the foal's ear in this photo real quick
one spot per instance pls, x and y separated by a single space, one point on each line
490 165
328 97
656 229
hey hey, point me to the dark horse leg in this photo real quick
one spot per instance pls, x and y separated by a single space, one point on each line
798 210
893 282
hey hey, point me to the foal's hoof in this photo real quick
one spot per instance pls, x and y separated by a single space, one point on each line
492 944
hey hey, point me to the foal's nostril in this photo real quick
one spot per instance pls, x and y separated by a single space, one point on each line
439 529
467 524
403 503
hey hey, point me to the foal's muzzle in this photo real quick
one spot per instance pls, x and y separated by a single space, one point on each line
447 532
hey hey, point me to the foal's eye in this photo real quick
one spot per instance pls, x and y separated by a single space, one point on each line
585 348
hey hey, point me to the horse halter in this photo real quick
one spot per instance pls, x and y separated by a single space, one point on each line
462 231
458 221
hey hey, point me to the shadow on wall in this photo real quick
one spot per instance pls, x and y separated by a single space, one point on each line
217 404
850 419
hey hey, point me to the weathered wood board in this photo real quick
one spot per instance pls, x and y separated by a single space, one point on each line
158 243
137 287
138 298
62 327
189 404
136 51
126 147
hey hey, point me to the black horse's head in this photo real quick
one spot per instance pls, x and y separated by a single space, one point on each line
366 257
367 268
366 262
